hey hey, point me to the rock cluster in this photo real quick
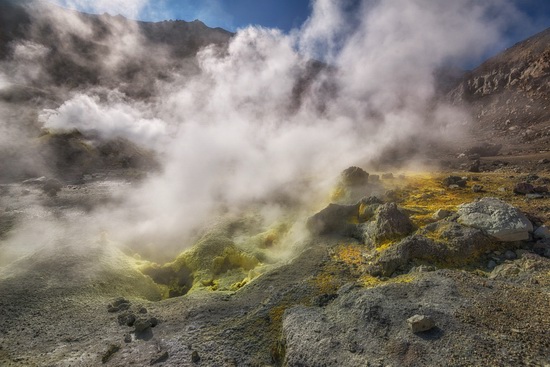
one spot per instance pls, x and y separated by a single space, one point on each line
134 317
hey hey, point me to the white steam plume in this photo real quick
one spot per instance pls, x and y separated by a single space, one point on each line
240 140
242 137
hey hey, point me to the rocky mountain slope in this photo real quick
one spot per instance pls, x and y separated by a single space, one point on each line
100 49
509 95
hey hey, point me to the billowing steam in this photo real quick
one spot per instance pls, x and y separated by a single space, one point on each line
269 120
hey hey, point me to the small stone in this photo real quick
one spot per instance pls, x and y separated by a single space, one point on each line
510 255
161 357
441 214
127 319
119 304
142 310
541 189
505 270
153 321
195 358
127 338
534 196
454 187
542 232
524 188
141 325
491 265
477 188
454 180
502 189
544 161
354 176
475 167
420 323
113 348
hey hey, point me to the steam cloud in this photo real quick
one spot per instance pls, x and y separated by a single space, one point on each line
261 123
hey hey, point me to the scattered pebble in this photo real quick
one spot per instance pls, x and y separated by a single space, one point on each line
441 214
161 357
141 324
542 232
510 255
119 304
195 358
420 323
524 188
477 188
113 348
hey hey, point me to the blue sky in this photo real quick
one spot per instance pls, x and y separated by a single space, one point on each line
282 14
234 14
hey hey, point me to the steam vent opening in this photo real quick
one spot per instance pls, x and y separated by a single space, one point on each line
346 183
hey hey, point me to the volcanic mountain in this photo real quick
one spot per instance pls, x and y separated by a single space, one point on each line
509 96
351 268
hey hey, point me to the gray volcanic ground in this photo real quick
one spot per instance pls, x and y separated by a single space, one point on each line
177 195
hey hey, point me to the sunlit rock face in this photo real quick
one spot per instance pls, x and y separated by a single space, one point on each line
497 219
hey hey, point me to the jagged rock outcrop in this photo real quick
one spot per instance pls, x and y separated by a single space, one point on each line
509 94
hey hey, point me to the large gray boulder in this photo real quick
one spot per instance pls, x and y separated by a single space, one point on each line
497 219
389 223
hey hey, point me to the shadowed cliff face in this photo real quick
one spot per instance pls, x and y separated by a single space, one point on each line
509 95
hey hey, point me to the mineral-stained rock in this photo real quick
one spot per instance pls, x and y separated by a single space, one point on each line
455 245
354 176
334 219
496 218
505 270
389 223
420 323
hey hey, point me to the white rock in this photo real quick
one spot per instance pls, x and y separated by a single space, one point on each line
497 219
420 323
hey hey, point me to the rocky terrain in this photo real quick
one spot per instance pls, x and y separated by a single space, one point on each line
478 271
447 265
509 96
